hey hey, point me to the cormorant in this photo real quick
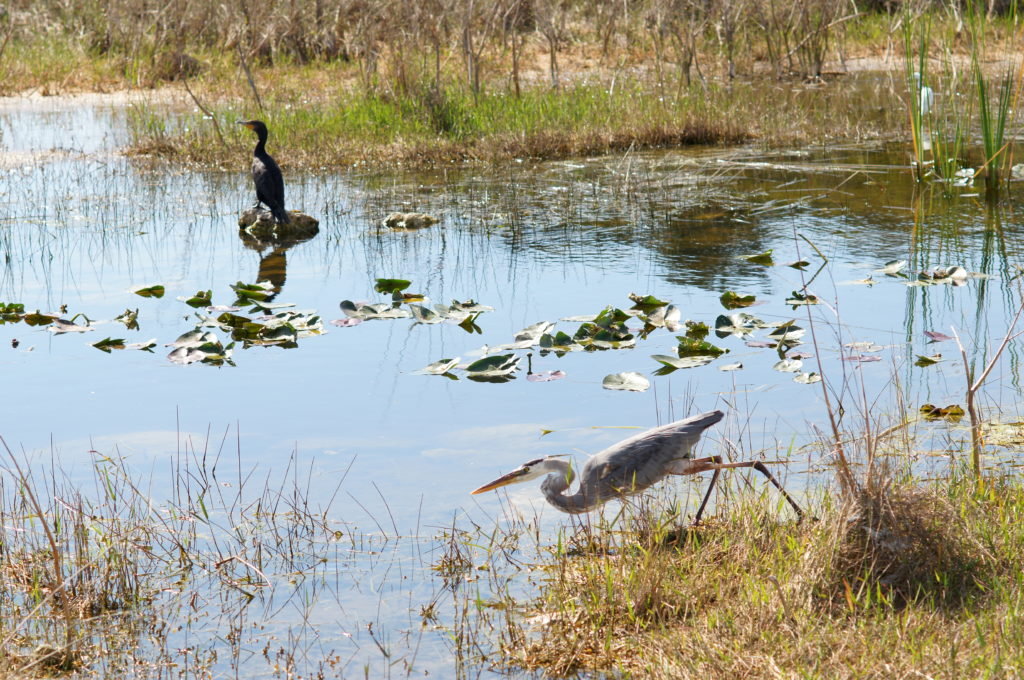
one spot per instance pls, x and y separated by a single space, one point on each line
266 175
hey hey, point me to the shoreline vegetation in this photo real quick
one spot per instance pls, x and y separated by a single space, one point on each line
447 81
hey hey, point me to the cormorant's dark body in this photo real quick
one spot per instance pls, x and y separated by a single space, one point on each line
266 175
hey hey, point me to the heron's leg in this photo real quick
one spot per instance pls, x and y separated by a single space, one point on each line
760 467
703 465
707 495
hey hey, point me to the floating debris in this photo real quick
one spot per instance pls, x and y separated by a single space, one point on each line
412 220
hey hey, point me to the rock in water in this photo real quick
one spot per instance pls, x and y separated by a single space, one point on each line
260 223
413 220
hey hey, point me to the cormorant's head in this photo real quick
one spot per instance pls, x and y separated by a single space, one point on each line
257 126
525 472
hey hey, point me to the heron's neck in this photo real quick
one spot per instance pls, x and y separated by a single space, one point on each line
557 483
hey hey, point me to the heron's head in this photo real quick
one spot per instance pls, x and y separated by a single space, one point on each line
257 126
527 471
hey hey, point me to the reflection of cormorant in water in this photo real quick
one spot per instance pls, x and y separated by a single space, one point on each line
273 265
265 174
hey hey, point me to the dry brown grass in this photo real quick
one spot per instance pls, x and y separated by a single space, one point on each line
901 580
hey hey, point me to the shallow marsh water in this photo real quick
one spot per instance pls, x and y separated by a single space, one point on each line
393 453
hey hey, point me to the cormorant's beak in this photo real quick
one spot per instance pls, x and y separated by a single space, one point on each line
245 123
504 480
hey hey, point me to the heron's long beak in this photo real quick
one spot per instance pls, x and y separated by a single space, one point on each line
510 478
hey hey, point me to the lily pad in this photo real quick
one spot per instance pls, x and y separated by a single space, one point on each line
108 344
799 264
38 319
731 300
146 346
892 267
739 324
798 298
494 365
130 319
391 285
439 367
667 317
696 330
646 302
788 366
807 378
150 291
202 298
952 413
424 315
560 342
469 307
346 323
764 258
731 367
248 292
923 360
670 363
787 331
629 381
61 326
532 333
934 336
689 347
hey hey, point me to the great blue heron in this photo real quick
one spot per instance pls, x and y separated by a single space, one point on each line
265 173
630 467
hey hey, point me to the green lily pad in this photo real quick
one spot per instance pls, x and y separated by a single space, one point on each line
798 298
927 361
807 378
952 413
107 344
130 319
391 285
249 292
469 324
37 319
730 300
689 347
764 258
150 291
646 302
787 331
202 298
496 364
697 330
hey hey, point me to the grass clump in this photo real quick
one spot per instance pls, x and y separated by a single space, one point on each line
899 578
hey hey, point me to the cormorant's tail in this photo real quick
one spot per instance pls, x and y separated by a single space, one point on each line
280 214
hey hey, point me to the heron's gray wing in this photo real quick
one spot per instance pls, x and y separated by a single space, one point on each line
636 463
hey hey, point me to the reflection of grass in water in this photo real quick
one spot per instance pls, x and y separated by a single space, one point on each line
120 579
